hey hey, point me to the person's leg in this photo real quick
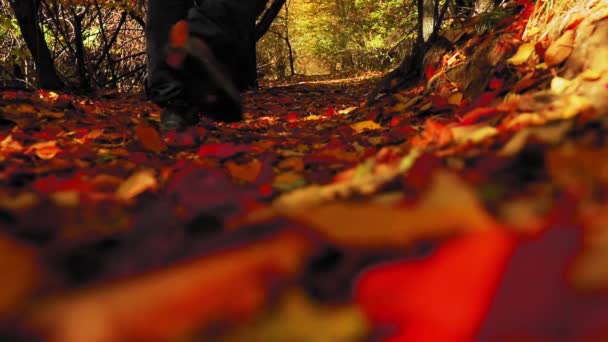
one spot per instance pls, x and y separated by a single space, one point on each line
221 28
162 81
228 28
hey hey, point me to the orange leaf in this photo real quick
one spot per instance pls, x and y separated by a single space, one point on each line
44 150
149 138
18 268
248 172
172 303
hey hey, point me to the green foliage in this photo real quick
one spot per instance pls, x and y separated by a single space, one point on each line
344 35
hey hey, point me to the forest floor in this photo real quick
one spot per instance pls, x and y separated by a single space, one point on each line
429 215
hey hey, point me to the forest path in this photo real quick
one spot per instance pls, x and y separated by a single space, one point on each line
429 215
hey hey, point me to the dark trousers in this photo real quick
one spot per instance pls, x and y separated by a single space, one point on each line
226 25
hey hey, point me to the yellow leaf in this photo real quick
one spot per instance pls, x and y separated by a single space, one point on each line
364 125
473 134
450 206
298 318
524 52
455 99
561 49
526 119
248 172
532 31
591 75
137 184
576 105
559 84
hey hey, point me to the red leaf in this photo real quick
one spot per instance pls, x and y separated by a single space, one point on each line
439 101
441 298
495 83
330 112
430 71
292 117
222 150
478 114
53 183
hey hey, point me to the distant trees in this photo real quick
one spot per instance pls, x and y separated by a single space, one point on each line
26 13
92 44
77 43
338 36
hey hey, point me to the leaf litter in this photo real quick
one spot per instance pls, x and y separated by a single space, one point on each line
451 210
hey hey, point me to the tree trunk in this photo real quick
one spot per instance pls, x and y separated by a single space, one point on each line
266 20
80 50
428 14
26 12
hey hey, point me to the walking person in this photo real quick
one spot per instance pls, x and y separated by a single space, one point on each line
195 51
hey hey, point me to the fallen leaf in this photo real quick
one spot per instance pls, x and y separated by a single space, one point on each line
247 172
561 49
44 150
9 145
224 150
365 125
20 273
473 134
149 138
591 75
288 180
415 297
550 134
559 84
374 225
136 184
174 302
524 52
455 99
299 318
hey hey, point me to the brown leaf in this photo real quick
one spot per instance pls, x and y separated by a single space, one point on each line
149 138
561 49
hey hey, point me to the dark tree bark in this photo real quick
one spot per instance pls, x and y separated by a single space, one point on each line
266 20
260 7
26 12
80 50
256 32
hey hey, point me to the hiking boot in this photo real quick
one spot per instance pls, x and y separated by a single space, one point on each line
206 82
178 115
